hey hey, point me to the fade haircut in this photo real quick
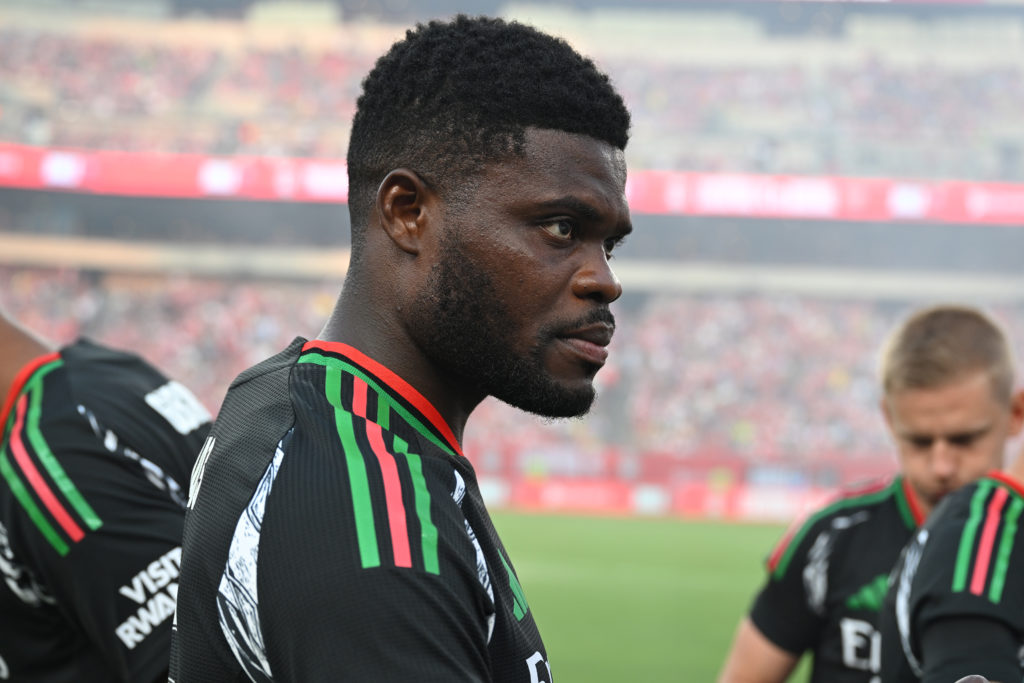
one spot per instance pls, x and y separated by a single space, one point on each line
453 96
943 344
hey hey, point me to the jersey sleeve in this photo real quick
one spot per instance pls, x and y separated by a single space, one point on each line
100 537
789 609
971 568
366 571
970 645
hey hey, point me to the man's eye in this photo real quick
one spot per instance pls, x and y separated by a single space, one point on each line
560 228
962 440
611 244
921 442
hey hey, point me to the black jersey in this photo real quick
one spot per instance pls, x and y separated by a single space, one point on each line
94 445
965 564
336 532
827 579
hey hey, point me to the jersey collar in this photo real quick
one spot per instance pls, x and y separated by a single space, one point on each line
393 383
909 504
20 380
1005 478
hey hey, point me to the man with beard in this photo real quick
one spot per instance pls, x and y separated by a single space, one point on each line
949 401
335 528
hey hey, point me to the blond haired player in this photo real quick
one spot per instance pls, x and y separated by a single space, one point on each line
950 405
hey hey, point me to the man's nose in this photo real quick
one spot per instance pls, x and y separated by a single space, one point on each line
595 279
943 459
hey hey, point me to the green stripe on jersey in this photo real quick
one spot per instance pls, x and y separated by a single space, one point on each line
995 593
519 598
34 513
428 532
794 543
46 457
965 553
338 364
359 482
903 504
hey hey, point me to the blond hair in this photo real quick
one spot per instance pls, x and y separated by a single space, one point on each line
939 345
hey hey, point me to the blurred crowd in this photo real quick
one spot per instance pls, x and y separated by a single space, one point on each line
871 117
775 379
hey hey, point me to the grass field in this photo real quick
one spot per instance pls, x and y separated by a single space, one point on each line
638 600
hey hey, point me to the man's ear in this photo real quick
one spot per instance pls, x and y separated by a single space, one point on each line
1017 412
405 205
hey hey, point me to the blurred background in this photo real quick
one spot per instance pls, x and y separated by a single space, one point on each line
802 175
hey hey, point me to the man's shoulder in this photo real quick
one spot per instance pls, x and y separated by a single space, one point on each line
972 541
853 511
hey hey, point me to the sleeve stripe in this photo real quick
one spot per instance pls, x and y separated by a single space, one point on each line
35 479
965 552
428 532
392 496
33 511
986 542
362 505
359 391
995 593
356 455
45 455
988 538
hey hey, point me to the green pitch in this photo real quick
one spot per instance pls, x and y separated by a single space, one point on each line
644 600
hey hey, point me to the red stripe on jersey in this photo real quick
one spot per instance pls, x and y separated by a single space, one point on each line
392 496
359 390
912 502
404 388
987 542
35 479
780 548
20 380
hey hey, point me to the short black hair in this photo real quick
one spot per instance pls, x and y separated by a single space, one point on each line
455 95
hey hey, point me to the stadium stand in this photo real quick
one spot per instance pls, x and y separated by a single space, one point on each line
890 96
696 383
746 346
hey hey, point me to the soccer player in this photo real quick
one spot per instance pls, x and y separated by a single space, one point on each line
955 604
948 399
95 448
335 529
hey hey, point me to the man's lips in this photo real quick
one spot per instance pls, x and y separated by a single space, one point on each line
590 342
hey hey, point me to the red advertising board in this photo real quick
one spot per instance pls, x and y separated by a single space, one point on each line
651 192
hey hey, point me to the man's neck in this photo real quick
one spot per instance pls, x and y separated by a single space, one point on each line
383 341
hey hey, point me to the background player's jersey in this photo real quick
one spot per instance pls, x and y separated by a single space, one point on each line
94 445
336 532
827 579
966 561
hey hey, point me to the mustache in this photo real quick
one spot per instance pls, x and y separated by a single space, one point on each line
602 314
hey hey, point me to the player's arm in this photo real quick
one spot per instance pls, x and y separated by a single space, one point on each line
782 623
755 659
956 647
